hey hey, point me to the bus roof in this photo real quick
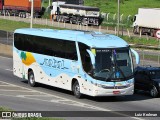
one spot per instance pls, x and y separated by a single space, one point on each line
92 39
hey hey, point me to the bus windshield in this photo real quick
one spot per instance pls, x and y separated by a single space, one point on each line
113 64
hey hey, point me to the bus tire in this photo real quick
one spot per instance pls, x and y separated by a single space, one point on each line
76 90
31 79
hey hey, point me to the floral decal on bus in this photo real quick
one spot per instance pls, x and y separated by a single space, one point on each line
27 58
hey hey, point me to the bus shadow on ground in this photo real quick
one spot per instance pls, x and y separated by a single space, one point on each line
135 97
51 88
139 96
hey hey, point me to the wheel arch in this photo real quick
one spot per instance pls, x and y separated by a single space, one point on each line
72 83
29 70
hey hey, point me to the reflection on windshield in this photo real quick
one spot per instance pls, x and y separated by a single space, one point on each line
113 64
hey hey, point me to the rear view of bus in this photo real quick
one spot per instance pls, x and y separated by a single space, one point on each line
89 63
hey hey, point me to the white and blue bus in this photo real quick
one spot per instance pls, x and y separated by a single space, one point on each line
84 62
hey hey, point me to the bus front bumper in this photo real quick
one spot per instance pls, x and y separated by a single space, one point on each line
113 92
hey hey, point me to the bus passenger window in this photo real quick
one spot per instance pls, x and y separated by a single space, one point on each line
85 57
70 50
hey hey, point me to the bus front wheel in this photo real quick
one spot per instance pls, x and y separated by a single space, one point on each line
76 90
31 79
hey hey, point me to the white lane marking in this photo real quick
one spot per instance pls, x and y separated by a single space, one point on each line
13 85
4 85
21 96
79 104
14 90
57 101
5 57
8 69
40 95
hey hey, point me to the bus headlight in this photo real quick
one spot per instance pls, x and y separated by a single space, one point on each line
159 84
104 86
130 82
98 85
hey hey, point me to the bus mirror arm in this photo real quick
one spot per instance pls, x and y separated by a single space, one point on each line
92 58
136 56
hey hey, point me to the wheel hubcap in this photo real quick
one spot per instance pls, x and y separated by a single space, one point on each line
31 79
77 89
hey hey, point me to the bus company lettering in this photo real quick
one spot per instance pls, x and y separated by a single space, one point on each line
60 64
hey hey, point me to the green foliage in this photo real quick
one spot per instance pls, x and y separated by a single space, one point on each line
149 57
127 7
9 25
4 109
141 41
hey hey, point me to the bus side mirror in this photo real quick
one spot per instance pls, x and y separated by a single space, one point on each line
136 56
92 58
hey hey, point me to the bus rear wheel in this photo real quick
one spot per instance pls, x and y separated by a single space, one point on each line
76 90
31 79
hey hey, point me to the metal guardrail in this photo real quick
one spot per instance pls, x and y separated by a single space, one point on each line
6 37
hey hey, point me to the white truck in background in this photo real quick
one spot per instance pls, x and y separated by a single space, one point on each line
77 14
147 21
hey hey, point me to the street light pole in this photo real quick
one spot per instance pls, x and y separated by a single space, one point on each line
49 3
118 17
32 7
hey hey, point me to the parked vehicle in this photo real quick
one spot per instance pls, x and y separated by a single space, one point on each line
147 21
77 14
20 8
148 79
1 5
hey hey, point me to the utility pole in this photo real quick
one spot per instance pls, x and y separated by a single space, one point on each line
118 17
32 7
49 3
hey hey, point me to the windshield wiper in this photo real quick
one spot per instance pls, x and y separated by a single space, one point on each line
114 72
121 71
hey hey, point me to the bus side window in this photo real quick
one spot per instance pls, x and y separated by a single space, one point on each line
86 60
18 41
70 50
46 46
58 48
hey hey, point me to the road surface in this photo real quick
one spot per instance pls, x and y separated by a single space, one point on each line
15 93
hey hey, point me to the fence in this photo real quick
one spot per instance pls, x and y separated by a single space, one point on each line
6 39
149 58
109 24
111 19
146 57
